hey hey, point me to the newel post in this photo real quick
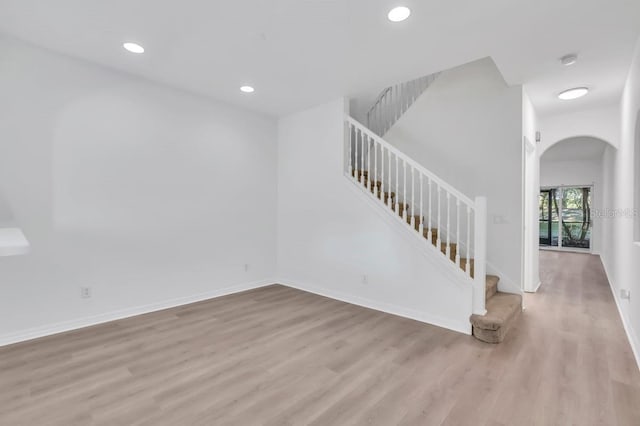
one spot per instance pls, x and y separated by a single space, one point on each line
480 256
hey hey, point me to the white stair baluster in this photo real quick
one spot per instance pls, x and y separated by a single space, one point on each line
421 228
350 148
413 198
397 187
362 177
382 187
387 107
438 241
429 234
389 177
355 169
466 266
404 188
397 104
381 108
407 98
380 118
367 172
369 177
457 232
448 250
394 100
376 188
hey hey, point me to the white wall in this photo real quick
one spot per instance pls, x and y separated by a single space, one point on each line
146 194
600 123
467 129
619 254
578 172
6 215
530 125
330 234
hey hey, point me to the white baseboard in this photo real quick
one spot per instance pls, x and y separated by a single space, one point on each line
47 330
628 328
535 290
460 327
61 327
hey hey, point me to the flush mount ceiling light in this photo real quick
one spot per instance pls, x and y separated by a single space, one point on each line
399 13
133 47
247 89
568 60
575 93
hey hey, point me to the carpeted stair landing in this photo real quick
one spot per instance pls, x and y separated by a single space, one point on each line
503 310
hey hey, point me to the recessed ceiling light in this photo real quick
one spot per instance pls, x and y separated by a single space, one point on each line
247 89
133 47
575 93
568 60
399 13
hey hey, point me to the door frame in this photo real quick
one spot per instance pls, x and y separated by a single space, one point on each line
560 247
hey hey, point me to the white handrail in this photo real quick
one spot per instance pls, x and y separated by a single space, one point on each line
393 101
402 201
434 178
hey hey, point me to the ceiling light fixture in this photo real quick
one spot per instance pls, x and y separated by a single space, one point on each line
247 89
575 93
133 47
568 60
399 13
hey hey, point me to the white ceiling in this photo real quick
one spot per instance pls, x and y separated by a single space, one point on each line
580 148
299 53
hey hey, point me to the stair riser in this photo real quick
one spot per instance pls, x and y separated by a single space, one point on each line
496 336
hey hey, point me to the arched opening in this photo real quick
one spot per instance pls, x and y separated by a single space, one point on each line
571 184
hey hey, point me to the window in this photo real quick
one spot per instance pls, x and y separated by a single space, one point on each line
565 217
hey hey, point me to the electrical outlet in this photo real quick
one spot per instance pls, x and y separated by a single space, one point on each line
85 292
365 279
246 267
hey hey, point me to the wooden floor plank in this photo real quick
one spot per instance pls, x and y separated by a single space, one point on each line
280 356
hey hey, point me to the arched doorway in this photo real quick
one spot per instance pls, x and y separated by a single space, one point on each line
571 183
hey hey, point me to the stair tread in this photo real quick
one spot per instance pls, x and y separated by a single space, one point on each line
492 279
402 206
404 209
501 308
434 232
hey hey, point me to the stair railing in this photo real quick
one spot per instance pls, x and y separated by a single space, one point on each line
439 214
393 101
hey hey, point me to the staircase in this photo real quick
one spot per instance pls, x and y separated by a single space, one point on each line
503 309
451 224
393 101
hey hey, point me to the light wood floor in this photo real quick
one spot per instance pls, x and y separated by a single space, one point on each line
279 356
